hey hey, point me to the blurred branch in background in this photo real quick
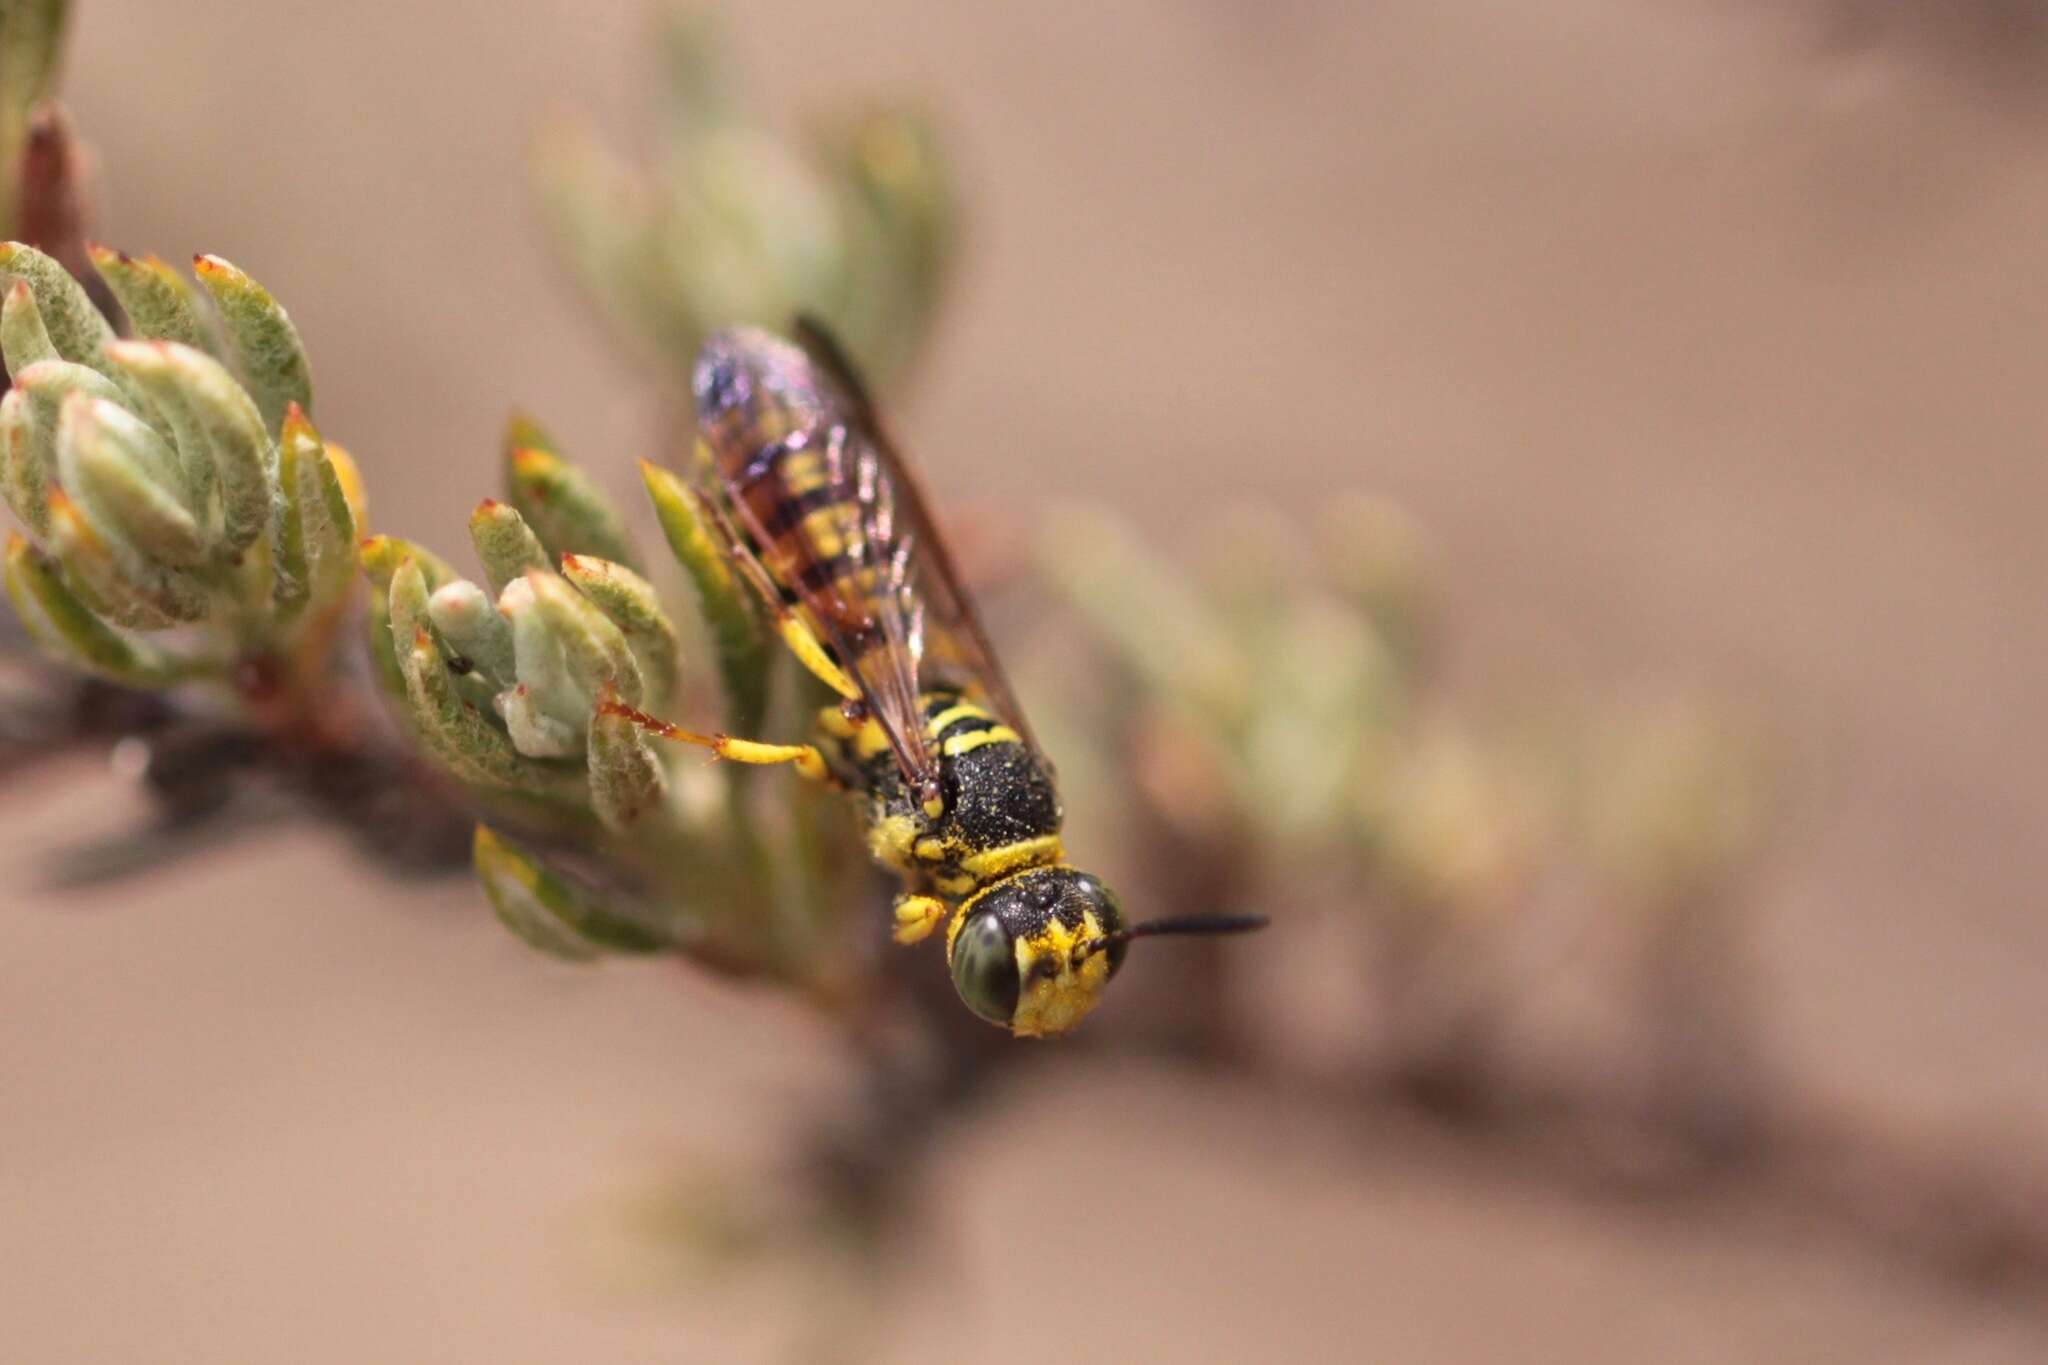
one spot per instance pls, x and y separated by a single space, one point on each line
1274 719
731 223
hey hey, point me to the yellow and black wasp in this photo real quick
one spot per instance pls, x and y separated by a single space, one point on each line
817 510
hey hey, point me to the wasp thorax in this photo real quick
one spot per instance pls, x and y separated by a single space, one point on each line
1033 951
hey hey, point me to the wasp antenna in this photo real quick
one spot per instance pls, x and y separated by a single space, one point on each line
1180 924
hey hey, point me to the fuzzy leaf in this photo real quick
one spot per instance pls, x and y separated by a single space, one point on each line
595 649
407 600
23 338
382 556
315 537
473 627
24 477
565 507
634 607
465 742
546 687
350 477
534 732
737 632
71 632
43 387
156 298
115 579
219 432
48 382
627 781
524 432
115 465
549 913
265 342
75 327
505 543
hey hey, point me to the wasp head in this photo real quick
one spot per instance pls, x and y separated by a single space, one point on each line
1032 952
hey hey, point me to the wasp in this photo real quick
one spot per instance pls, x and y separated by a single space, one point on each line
798 480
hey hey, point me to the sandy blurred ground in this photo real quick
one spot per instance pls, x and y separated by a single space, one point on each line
1709 339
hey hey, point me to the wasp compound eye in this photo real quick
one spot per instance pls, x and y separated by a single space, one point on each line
984 962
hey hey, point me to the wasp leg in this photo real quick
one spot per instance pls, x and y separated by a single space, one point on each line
810 651
917 916
805 758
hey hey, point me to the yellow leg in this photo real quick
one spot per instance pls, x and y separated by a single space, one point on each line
917 916
812 654
805 758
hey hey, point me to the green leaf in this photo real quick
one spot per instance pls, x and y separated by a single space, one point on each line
113 463
23 338
315 538
549 710
381 557
523 432
549 913
24 477
407 602
115 579
467 744
505 543
473 627
900 211
595 649
738 635
534 732
264 340
218 430
43 387
74 326
627 781
156 298
598 215
67 628
634 607
565 507
47 383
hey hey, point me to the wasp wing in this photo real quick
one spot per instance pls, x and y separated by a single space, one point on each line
955 648
809 510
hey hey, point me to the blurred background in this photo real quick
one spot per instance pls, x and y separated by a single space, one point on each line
1703 337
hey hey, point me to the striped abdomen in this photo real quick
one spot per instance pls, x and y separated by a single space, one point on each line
777 444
